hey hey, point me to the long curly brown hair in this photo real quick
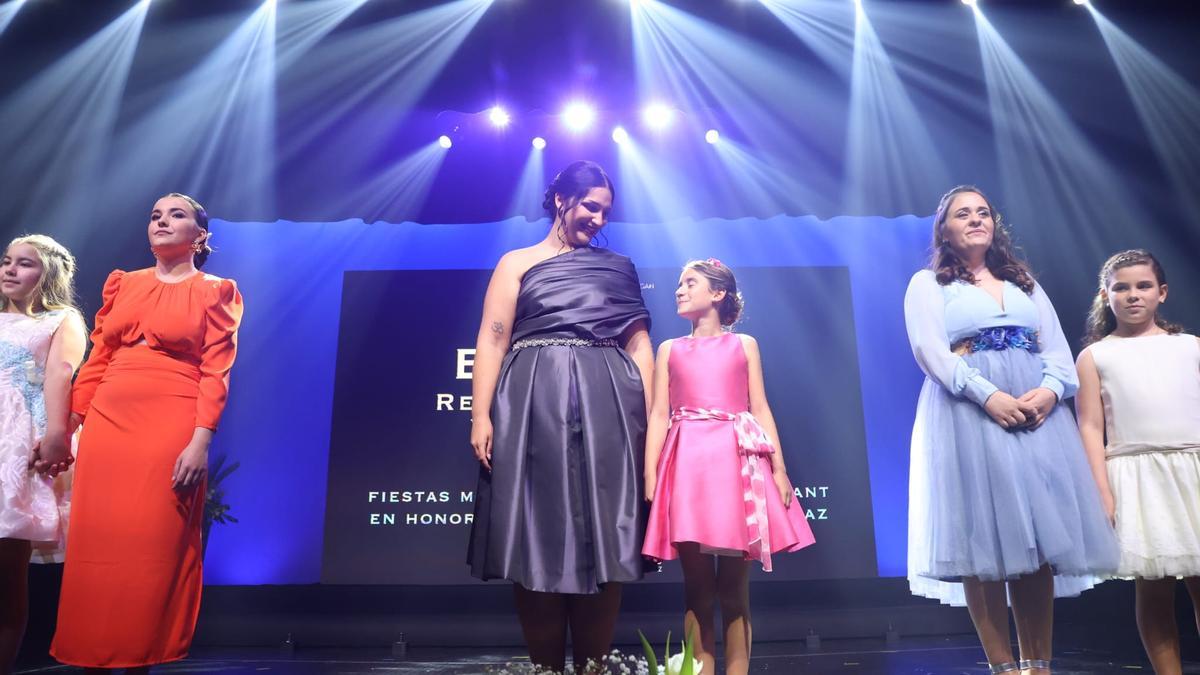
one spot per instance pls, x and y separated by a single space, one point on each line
1101 321
1002 258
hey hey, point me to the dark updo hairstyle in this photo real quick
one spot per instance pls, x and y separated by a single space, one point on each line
201 220
1101 321
1001 258
573 184
720 278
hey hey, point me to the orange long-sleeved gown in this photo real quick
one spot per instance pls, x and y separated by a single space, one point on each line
159 368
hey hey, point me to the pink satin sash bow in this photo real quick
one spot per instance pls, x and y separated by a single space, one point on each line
752 442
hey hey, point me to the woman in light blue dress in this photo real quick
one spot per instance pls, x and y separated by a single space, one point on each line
1000 493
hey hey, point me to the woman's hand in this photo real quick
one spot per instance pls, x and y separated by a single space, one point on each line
191 466
1007 411
1040 402
784 486
481 440
651 483
51 454
1110 506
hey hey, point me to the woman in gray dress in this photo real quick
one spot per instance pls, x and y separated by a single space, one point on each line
559 425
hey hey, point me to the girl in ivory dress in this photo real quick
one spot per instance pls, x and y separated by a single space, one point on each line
1139 415
42 340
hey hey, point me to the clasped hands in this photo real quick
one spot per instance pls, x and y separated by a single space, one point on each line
51 453
1027 412
51 456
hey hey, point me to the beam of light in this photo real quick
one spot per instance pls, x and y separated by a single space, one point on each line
825 27
398 193
382 68
527 197
1046 164
701 67
445 142
499 117
758 182
212 133
658 116
887 137
8 11
1168 106
301 25
578 116
647 188
59 126
538 143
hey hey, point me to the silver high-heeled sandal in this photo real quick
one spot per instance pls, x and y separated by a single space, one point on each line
1027 664
1010 667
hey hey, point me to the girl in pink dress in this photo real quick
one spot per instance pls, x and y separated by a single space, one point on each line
42 338
714 474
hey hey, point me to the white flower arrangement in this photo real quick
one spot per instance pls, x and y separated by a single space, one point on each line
616 663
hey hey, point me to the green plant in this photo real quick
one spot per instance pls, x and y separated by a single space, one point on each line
215 508
681 664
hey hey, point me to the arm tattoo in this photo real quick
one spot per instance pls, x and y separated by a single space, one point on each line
498 327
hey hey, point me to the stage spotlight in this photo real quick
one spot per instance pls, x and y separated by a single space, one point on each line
539 143
445 142
658 116
499 117
712 136
969 3
1081 2
8 11
578 116
620 136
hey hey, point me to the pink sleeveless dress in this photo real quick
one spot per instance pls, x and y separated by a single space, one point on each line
715 485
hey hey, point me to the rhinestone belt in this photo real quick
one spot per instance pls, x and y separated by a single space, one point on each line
563 342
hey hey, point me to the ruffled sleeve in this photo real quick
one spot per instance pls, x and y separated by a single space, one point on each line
223 316
1058 366
925 318
93 370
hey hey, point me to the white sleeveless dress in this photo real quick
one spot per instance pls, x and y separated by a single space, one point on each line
1150 387
32 507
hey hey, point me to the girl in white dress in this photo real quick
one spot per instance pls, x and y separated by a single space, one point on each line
1139 415
42 340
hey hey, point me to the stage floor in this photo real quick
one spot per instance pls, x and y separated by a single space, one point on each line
935 656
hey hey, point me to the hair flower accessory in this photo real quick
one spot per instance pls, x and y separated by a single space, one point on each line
714 262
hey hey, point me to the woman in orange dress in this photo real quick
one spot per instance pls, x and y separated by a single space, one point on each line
149 397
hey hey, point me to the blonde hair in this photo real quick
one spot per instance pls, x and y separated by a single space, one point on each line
56 288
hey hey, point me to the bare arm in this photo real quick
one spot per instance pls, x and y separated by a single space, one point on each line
66 353
1090 410
636 342
658 419
491 344
758 400
762 412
